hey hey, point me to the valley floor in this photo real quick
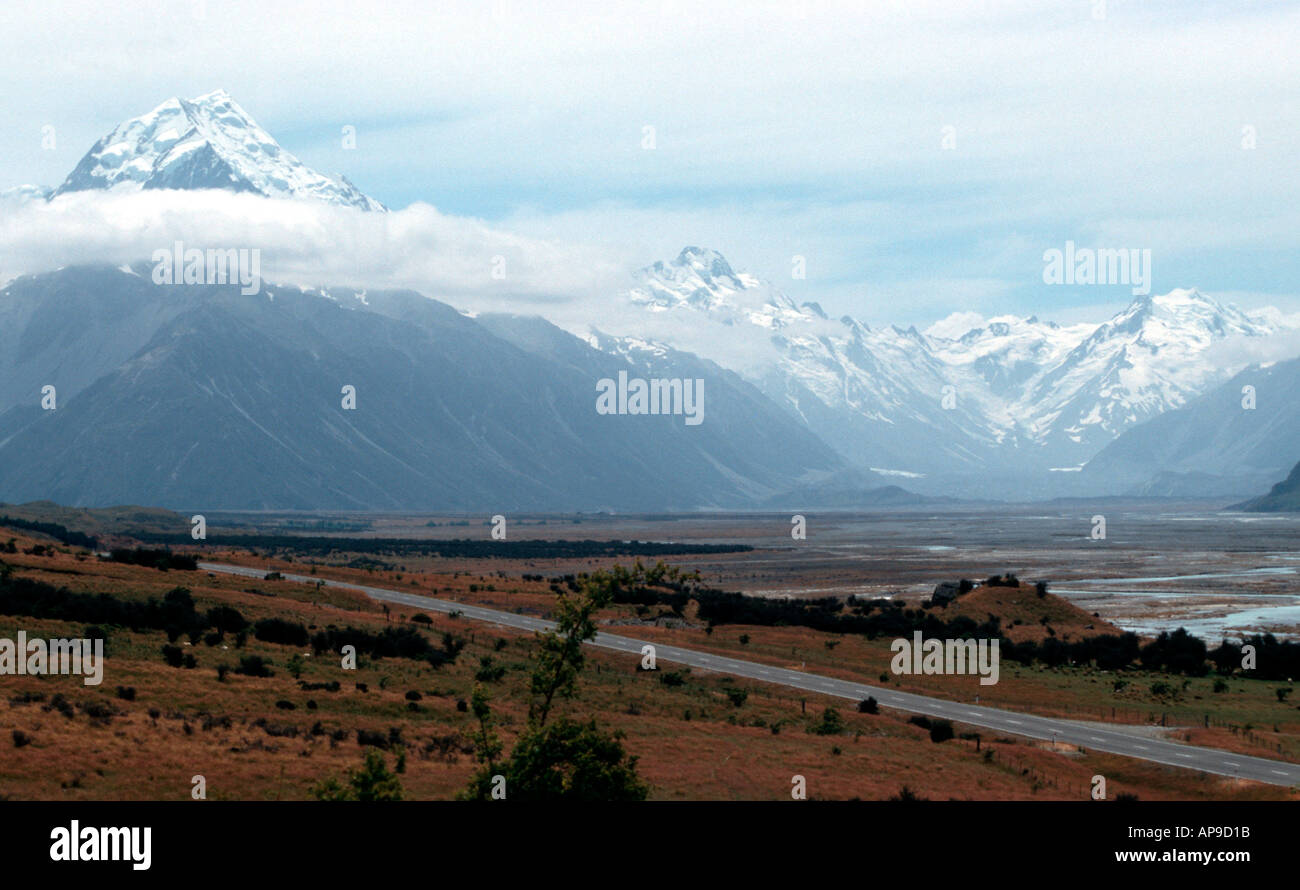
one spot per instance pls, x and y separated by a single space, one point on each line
151 727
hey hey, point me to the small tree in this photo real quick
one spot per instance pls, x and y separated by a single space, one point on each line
569 760
372 781
560 658
564 759
487 747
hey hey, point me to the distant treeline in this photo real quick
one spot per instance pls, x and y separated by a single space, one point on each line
37 599
176 615
53 530
329 525
1176 652
871 618
392 642
315 545
403 641
162 560
1275 659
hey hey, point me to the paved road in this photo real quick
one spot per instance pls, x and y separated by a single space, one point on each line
1209 760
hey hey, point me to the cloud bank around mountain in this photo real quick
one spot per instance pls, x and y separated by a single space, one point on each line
463 261
469 263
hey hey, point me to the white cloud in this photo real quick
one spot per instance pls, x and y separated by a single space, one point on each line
310 243
955 325
1236 353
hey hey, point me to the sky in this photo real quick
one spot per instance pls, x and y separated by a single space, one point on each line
920 157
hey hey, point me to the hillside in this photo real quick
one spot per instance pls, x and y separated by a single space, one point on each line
448 415
1284 497
1024 615
97 521
1218 444
842 494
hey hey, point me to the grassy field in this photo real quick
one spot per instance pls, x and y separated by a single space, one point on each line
150 728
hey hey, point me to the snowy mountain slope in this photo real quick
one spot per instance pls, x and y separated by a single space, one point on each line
1148 359
1012 396
204 143
876 396
703 280
1217 433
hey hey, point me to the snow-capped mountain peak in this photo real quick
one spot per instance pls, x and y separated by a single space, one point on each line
701 279
1180 320
201 143
708 264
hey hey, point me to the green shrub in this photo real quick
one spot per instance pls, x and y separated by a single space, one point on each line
831 723
254 666
941 731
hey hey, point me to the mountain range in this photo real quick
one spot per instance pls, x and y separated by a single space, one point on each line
1015 407
199 397
192 395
